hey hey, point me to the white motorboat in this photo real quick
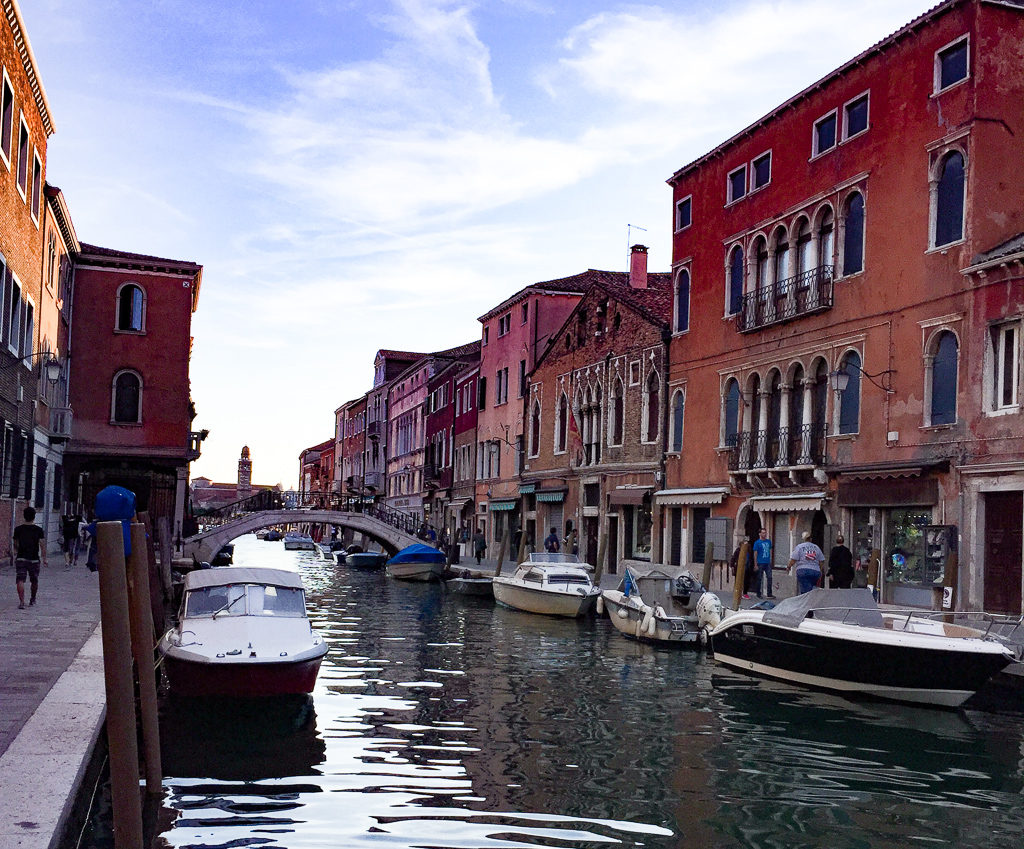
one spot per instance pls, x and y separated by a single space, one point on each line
657 605
242 631
554 584
417 562
841 640
295 541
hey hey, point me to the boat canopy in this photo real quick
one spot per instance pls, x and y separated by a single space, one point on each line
853 606
225 575
419 553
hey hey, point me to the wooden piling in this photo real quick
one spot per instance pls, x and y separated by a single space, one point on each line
741 574
501 551
142 649
117 669
602 550
709 559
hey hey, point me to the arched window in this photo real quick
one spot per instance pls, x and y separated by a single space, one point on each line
804 250
736 280
731 413
781 255
944 380
678 405
617 414
761 259
683 301
563 422
127 398
949 200
853 236
131 308
535 429
849 399
652 405
826 235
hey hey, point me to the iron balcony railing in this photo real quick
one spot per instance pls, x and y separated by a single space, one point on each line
802 294
781 448
374 429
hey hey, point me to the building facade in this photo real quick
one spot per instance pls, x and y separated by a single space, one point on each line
847 318
595 420
512 336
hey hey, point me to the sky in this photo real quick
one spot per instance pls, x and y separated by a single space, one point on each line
365 174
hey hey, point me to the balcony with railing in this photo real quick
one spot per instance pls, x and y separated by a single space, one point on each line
803 294
374 429
778 450
60 424
373 480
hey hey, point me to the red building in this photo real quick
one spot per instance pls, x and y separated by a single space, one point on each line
130 392
316 469
848 317
462 507
350 447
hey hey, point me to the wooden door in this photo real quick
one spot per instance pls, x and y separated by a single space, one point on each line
1004 517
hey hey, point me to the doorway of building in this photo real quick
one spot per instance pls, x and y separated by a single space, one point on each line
590 532
698 533
675 555
613 545
1004 517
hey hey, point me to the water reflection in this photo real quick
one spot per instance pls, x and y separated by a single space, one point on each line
442 722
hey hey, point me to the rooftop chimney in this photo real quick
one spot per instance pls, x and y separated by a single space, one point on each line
638 267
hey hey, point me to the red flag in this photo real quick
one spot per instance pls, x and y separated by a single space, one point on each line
575 440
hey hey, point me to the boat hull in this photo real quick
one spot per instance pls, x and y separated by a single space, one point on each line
413 571
845 659
629 619
546 602
479 587
245 680
299 545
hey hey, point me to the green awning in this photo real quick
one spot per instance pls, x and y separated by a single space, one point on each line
551 496
527 488
501 505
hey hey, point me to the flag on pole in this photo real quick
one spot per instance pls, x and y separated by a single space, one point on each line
575 440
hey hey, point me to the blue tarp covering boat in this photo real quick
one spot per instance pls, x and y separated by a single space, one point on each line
418 553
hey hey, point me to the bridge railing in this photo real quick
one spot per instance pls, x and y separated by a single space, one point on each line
274 500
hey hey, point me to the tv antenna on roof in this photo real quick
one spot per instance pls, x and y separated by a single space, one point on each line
629 236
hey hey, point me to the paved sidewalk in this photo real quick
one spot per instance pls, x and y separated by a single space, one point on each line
39 643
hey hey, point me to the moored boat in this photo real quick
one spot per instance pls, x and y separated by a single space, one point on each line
295 541
841 640
417 562
242 631
553 584
366 559
469 582
657 605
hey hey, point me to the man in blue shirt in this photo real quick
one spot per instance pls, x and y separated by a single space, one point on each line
763 559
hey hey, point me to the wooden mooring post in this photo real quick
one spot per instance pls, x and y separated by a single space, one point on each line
142 650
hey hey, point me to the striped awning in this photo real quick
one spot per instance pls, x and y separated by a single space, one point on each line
551 496
630 495
797 502
527 488
509 504
693 496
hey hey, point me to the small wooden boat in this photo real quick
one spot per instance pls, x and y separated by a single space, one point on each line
295 541
553 584
366 559
418 562
841 640
657 605
469 582
242 631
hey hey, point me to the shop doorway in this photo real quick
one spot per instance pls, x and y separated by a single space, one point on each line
675 543
590 524
698 533
1004 516
613 545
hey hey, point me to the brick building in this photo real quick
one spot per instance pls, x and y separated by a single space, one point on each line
350 447
316 469
595 416
848 317
462 507
25 125
512 336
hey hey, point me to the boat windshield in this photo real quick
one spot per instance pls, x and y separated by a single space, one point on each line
568 578
553 557
259 600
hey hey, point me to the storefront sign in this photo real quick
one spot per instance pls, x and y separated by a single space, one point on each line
888 492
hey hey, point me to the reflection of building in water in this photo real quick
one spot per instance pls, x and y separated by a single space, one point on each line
207 494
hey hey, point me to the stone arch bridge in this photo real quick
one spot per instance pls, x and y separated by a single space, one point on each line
391 529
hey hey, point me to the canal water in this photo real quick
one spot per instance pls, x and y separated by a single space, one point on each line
440 721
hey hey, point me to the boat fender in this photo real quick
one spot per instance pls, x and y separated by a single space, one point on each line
647 621
639 628
652 626
623 613
600 605
659 611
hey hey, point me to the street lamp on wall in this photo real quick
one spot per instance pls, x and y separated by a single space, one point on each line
840 378
52 368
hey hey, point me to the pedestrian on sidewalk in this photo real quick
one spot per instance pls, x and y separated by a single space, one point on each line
551 542
27 555
808 559
479 545
840 565
69 531
763 559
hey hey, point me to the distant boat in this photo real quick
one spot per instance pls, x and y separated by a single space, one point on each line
469 582
242 631
273 535
550 583
418 562
294 541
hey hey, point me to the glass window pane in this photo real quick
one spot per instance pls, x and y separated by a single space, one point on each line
949 214
853 246
825 134
953 64
737 184
736 282
857 116
849 405
944 381
762 170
